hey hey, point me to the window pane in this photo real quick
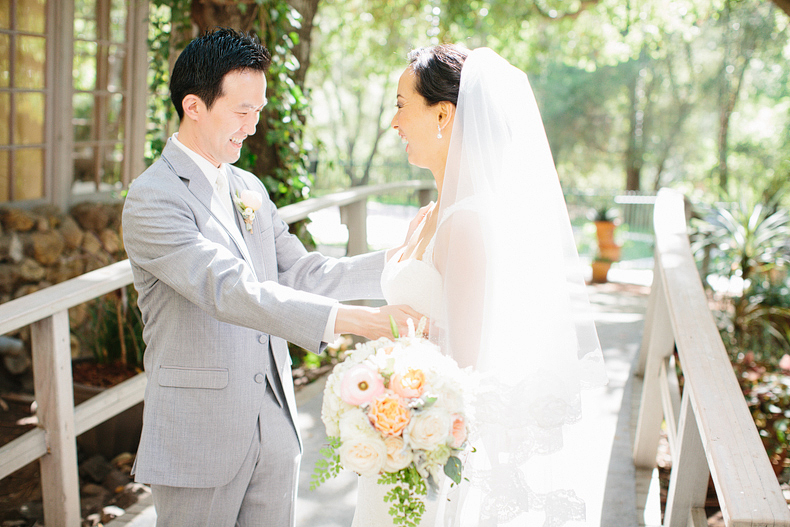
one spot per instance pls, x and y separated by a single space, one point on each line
115 118
118 21
5 61
84 165
31 54
4 183
116 57
112 165
85 19
84 65
28 173
5 118
31 15
29 120
5 14
83 116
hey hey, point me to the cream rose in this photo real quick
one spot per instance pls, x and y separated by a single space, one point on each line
364 454
251 199
429 429
398 456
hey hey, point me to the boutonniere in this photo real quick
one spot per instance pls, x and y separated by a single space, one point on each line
248 202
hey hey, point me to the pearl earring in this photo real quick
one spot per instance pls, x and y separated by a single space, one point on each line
439 135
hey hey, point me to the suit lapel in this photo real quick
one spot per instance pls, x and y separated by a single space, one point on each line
253 240
199 186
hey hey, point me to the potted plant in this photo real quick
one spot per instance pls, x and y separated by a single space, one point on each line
600 269
604 219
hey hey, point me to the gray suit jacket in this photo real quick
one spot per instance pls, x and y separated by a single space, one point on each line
211 315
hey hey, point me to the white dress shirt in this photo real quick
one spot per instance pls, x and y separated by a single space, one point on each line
222 205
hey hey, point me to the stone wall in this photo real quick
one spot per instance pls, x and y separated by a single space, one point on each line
45 246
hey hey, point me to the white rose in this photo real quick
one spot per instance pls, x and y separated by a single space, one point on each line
398 456
429 429
251 199
354 423
365 454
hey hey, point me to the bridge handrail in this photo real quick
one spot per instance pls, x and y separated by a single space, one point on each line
46 311
711 432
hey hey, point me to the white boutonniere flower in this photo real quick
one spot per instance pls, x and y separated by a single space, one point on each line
248 202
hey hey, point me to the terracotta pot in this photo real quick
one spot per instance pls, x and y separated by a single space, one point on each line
600 269
605 232
610 252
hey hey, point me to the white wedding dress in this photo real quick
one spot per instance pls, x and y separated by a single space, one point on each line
511 302
415 283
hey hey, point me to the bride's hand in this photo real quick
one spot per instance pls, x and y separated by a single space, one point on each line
413 224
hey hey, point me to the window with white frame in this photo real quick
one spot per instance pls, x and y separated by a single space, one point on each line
23 83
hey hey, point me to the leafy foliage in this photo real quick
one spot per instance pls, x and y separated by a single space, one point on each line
406 496
329 466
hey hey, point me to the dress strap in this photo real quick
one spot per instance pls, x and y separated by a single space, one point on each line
468 203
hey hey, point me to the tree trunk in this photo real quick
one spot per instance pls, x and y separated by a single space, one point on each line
208 14
784 5
267 159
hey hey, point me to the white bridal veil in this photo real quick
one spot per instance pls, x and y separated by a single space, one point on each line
513 304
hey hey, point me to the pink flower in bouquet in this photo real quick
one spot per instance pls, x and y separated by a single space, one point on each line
360 385
388 414
784 362
459 431
409 384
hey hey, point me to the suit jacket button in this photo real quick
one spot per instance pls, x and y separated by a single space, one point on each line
259 378
262 339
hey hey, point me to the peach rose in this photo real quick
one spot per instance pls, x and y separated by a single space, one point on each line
398 457
388 414
458 431
409 384
361 384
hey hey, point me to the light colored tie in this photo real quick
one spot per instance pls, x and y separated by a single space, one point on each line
224 192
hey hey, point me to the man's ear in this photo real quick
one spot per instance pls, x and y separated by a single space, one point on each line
193 107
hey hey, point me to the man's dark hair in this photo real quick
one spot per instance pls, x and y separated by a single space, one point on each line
202 66
438 71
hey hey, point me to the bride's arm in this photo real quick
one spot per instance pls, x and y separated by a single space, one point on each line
459 256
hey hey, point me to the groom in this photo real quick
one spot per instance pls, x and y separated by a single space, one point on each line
221 291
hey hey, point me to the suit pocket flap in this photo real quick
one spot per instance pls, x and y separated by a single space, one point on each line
211 378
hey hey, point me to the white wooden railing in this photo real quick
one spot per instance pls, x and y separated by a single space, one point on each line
711 432
53 442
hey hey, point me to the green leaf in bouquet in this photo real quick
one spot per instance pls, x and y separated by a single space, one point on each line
453 469
394 328
327 467
406 496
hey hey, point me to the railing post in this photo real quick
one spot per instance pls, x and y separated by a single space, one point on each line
657 343
355 217
424 195
688 481
55 398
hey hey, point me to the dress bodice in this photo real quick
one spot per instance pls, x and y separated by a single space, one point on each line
415 283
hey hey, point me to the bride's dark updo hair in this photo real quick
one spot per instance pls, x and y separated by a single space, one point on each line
438 71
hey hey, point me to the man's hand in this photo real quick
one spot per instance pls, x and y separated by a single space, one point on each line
374 322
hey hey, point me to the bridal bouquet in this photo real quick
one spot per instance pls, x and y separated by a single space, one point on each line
397 409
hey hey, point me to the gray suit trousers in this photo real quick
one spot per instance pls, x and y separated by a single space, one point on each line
262 494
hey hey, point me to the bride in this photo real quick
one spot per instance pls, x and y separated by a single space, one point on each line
494 265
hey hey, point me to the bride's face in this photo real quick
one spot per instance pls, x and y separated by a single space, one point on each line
417 124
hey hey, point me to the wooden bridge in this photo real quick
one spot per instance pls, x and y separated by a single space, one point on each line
710 430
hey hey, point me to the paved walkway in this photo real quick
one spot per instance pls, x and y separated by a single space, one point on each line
619 307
